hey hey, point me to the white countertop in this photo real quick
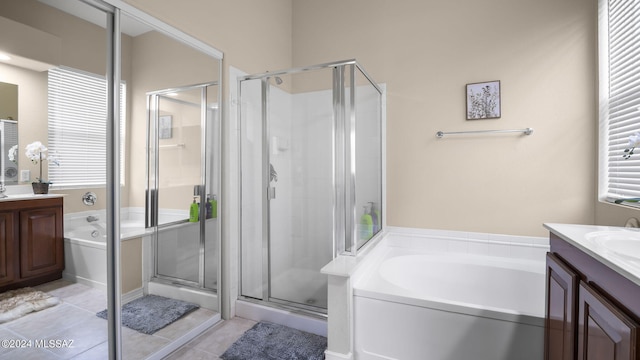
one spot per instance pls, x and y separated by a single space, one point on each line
18 197
588 238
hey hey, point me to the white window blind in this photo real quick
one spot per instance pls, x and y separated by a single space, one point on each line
78 128
621 102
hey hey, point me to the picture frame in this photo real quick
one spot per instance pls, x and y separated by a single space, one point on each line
483 100
165 127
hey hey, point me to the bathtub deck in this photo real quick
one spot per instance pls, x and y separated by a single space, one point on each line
439 295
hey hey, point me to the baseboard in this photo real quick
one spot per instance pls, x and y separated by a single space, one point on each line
204 299
84 281
330 355
132 295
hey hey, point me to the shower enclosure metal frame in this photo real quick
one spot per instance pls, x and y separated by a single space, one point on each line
207 154
345 215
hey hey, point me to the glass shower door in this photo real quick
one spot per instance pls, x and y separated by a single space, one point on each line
300 135
179 173
287 127
181 206
305 133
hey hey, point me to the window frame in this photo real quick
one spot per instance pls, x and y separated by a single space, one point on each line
611 152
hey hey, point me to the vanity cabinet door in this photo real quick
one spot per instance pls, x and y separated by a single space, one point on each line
604 331
560 334
8 247
41 241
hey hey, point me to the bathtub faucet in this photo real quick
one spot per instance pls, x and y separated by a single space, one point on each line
92 218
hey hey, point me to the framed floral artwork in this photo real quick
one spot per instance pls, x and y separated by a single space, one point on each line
483 100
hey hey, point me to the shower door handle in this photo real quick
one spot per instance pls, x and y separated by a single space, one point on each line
271 193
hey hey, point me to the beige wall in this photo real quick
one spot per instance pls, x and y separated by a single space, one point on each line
543 52
83 46
159 62
131 265
8 101
255 35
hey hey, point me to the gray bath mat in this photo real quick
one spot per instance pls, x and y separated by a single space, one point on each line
267 341
151 313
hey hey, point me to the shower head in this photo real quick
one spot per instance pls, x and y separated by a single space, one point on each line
276 78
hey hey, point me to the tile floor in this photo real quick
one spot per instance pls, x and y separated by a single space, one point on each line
75 319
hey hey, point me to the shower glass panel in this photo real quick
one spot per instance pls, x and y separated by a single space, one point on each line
182 130
366 112
301 134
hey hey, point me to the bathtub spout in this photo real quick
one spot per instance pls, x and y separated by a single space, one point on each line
92 218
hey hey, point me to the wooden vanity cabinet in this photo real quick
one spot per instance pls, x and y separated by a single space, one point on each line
604 331
560 323
593 313
8 248
31 242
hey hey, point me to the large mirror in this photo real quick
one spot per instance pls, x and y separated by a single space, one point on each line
8 101
8 133
64 42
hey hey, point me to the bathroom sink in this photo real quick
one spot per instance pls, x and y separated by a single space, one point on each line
625 243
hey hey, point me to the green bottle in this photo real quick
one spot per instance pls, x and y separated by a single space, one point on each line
214 207
366 225
194 211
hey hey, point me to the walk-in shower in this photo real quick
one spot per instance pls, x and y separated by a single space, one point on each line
311 178
183 155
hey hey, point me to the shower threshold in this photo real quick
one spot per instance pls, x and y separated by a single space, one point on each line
205 298
257 310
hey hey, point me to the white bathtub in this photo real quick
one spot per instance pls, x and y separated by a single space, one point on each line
85 248
419 296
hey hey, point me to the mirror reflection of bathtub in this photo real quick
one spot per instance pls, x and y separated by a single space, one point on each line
85 248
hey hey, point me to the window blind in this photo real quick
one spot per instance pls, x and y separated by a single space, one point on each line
623 104
77 130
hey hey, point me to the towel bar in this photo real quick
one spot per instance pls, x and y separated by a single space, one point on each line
171 146
441 134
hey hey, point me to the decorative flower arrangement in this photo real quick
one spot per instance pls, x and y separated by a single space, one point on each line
37 153
634 141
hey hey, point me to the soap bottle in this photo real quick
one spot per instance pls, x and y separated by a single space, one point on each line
366 225
194 211
208 208
377 212
214 207
375 217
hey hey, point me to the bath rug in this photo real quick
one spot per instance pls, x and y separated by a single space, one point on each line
151 313
17 303
268 341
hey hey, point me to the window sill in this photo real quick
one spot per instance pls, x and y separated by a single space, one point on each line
610 200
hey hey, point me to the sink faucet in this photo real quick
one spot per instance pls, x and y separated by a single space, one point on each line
92 218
